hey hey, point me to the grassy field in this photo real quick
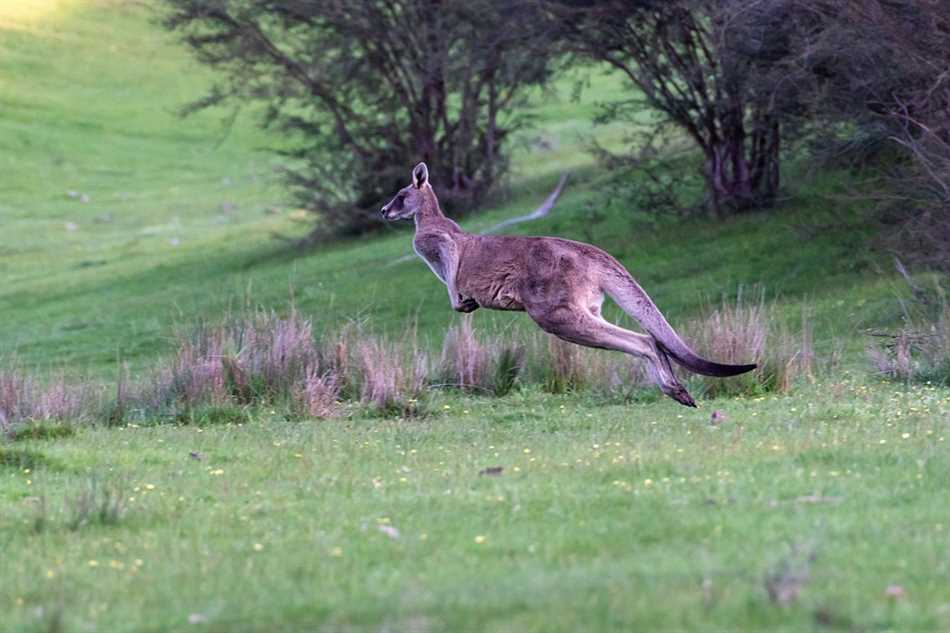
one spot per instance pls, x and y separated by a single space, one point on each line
605 517
823 508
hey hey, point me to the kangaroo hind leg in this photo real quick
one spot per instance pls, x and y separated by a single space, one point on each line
580 327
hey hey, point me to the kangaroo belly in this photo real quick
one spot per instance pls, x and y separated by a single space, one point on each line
493 292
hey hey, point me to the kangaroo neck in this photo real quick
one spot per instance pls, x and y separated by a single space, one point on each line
430 213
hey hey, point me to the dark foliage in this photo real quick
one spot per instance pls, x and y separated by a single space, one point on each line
874 78
365 89
691 60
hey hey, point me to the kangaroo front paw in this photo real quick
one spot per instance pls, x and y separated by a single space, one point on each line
467 305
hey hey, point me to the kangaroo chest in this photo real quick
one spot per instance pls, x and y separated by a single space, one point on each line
431 249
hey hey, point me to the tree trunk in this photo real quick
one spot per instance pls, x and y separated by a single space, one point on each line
742 171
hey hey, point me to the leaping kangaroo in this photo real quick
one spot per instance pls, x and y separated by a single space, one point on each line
559 283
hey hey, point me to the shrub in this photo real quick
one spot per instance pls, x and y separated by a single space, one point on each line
360 91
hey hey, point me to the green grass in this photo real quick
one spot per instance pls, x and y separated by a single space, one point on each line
606 517
178 229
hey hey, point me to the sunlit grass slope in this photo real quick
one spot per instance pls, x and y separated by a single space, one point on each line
120 218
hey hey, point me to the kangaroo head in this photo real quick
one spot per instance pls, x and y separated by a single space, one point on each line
410 199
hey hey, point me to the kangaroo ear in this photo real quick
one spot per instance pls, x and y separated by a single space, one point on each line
420 175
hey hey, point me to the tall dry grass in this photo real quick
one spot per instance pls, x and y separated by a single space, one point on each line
252 359
561 367
494 365
919 351
218 373
487 365
749 331
26 400
391 376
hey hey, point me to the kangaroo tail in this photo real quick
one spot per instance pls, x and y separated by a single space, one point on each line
628 294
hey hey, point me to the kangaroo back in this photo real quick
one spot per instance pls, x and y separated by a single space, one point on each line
623 289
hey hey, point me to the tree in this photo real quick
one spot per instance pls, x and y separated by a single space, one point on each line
366 89
876 77
689 60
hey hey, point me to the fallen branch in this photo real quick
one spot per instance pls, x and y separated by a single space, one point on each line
537 214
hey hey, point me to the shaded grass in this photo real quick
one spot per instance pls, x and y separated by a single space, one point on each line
41 431
24 459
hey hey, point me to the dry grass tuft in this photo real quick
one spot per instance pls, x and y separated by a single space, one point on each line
319 396
560 367
25 401
920 350
568 369
392 376
471 364
465 361
254 359
748 331
273 354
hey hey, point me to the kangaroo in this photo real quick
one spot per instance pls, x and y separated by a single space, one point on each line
560 284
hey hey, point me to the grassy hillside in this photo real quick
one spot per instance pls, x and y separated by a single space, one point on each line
122 219
122 222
